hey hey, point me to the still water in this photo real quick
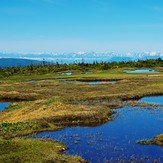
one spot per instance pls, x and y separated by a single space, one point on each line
141 71
101 82
152 99
3 105
115 141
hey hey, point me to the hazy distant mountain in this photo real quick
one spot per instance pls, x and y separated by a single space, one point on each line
120 59
87 57
9 62
152 57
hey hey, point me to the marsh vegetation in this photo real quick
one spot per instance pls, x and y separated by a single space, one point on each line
51 105
115 141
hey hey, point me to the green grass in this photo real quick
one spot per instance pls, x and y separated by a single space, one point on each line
34 151
52 99
40 115
52 105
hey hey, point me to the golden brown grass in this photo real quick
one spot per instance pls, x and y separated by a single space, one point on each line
158 140
50 105
57 100
43 109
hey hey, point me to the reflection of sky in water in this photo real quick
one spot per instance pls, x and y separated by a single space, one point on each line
152 99
94 82
68 73
101 82
141 71
3 105
116 140
88 72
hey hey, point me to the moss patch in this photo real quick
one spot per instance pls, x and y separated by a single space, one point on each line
38 151
51 105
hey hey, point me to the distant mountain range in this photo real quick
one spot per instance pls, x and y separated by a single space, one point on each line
10 62
18 59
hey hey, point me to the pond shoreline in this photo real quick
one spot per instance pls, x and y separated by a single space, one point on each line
73 138
90 121
54 105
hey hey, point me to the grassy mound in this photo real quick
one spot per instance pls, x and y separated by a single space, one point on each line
38 151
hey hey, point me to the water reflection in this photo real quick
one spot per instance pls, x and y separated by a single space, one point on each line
3 105
88 73
152 99
68 73
141 71
115 141
101 82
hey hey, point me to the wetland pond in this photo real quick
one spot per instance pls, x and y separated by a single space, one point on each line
74 81
101 82
152 99
87 82
3 105
141 71
116 140
67 73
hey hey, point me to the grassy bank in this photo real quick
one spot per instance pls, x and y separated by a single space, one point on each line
50 104
39 151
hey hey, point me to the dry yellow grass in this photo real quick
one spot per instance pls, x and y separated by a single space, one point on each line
40 109
61 102
52 104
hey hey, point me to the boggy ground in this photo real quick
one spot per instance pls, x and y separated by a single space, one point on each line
52 104
29 151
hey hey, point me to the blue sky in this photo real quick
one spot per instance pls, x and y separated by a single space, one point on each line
81 25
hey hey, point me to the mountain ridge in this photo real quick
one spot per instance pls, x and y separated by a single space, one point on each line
11 62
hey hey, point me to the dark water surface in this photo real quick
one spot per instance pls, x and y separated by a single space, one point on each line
3 105
115 141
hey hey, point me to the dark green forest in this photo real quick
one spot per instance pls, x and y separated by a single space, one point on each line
45 67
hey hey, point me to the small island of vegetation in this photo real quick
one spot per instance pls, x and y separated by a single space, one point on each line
48 103
158 140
